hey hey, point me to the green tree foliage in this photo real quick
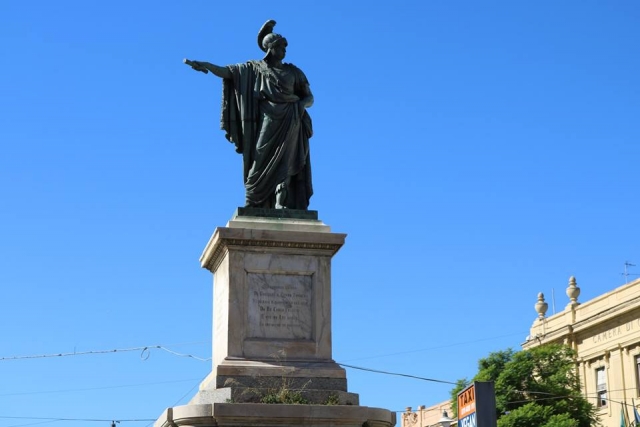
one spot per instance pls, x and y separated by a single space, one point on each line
538 387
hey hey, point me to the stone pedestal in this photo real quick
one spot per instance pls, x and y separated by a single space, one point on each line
272 328
259 414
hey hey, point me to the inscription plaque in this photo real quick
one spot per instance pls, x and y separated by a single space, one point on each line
280 306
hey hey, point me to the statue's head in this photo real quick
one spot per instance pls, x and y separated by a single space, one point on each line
275 45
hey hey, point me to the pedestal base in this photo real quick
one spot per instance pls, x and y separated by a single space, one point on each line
242 381
260 415
272 329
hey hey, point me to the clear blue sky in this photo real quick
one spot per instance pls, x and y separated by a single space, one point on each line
476 153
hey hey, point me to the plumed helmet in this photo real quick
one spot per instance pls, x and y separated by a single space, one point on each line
267 38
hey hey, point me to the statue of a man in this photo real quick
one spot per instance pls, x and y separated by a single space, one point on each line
264 114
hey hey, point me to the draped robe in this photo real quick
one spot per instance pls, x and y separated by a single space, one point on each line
261 116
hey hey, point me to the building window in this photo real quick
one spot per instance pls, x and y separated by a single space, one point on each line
601 388
637 358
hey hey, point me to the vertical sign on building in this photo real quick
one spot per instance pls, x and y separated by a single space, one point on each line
467 407
477 405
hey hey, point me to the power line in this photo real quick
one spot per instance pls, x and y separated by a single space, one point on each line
395 373
175 353
92 420
182 397
31 424
97 388
437 347
551 396
145 353
188 392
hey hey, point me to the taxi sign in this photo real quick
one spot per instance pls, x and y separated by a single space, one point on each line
477 405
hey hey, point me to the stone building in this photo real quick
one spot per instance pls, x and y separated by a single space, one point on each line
433 416
605 332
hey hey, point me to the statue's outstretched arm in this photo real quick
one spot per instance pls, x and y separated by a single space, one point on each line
205 67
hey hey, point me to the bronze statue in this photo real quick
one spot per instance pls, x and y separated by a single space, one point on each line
264 114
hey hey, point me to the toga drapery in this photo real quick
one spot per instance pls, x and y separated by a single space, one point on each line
261 116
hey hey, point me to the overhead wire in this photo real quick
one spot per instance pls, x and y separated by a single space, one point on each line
92 420
53 419
144 353
31 424
188 392
434 348
97 388
146 350
377 371
183 396
550 397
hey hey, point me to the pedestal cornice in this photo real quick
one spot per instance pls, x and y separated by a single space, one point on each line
299 241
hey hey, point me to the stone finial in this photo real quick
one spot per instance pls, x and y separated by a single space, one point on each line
573 291
541 306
